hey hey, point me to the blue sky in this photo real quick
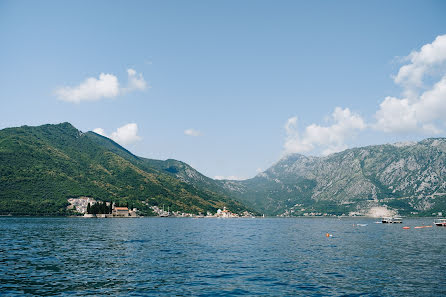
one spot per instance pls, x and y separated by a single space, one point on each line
227 86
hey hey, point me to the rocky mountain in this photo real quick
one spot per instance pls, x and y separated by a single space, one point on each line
408 178
41 167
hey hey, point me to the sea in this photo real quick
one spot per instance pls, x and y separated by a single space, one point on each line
220 257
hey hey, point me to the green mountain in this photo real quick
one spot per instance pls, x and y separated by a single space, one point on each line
41 167
408 178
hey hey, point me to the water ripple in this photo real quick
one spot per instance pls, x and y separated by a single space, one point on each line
210 257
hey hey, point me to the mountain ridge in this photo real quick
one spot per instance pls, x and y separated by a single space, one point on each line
408 178
41 167
401 177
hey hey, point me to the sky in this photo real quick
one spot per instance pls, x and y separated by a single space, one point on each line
228 87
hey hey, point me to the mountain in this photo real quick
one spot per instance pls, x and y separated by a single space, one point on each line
408 178
41 167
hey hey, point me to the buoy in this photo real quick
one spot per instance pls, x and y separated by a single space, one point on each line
406 227
422 227
328 235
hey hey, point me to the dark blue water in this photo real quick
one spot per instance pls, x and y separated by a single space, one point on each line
220 257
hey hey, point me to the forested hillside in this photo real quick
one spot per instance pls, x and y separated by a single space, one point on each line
41 167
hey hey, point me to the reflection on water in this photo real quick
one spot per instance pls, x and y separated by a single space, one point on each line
218 257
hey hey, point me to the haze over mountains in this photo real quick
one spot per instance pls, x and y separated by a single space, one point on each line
40 167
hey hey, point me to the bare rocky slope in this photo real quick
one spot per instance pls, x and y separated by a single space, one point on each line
409 178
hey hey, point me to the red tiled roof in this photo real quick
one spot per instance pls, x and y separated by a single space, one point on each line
121 208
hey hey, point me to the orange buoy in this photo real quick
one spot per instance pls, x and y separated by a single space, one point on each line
327 235
422 227
406 228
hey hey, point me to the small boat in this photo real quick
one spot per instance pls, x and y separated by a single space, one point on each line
440 222
392 220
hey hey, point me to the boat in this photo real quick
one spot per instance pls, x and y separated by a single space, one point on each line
440 222
392 220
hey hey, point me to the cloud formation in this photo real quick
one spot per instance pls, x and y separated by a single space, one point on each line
428 60
106 86
421 109
329 139
423 104
192 132
135 81
123 135
92 89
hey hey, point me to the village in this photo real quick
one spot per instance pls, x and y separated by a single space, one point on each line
85 206
91 208
225 213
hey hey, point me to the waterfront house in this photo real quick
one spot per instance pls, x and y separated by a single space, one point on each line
124 212
121 212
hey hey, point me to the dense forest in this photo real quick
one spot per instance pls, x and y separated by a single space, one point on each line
41 167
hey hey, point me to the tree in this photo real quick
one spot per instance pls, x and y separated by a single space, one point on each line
104 208
88 208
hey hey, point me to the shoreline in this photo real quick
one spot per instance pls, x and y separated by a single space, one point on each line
174 217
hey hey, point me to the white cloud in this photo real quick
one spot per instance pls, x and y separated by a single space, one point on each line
426 61
423 105
100 131
396 115
230 177
293 142
328 139
421 108
126 134
92 89
135 81
432 103
106 86
123 135
192 132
